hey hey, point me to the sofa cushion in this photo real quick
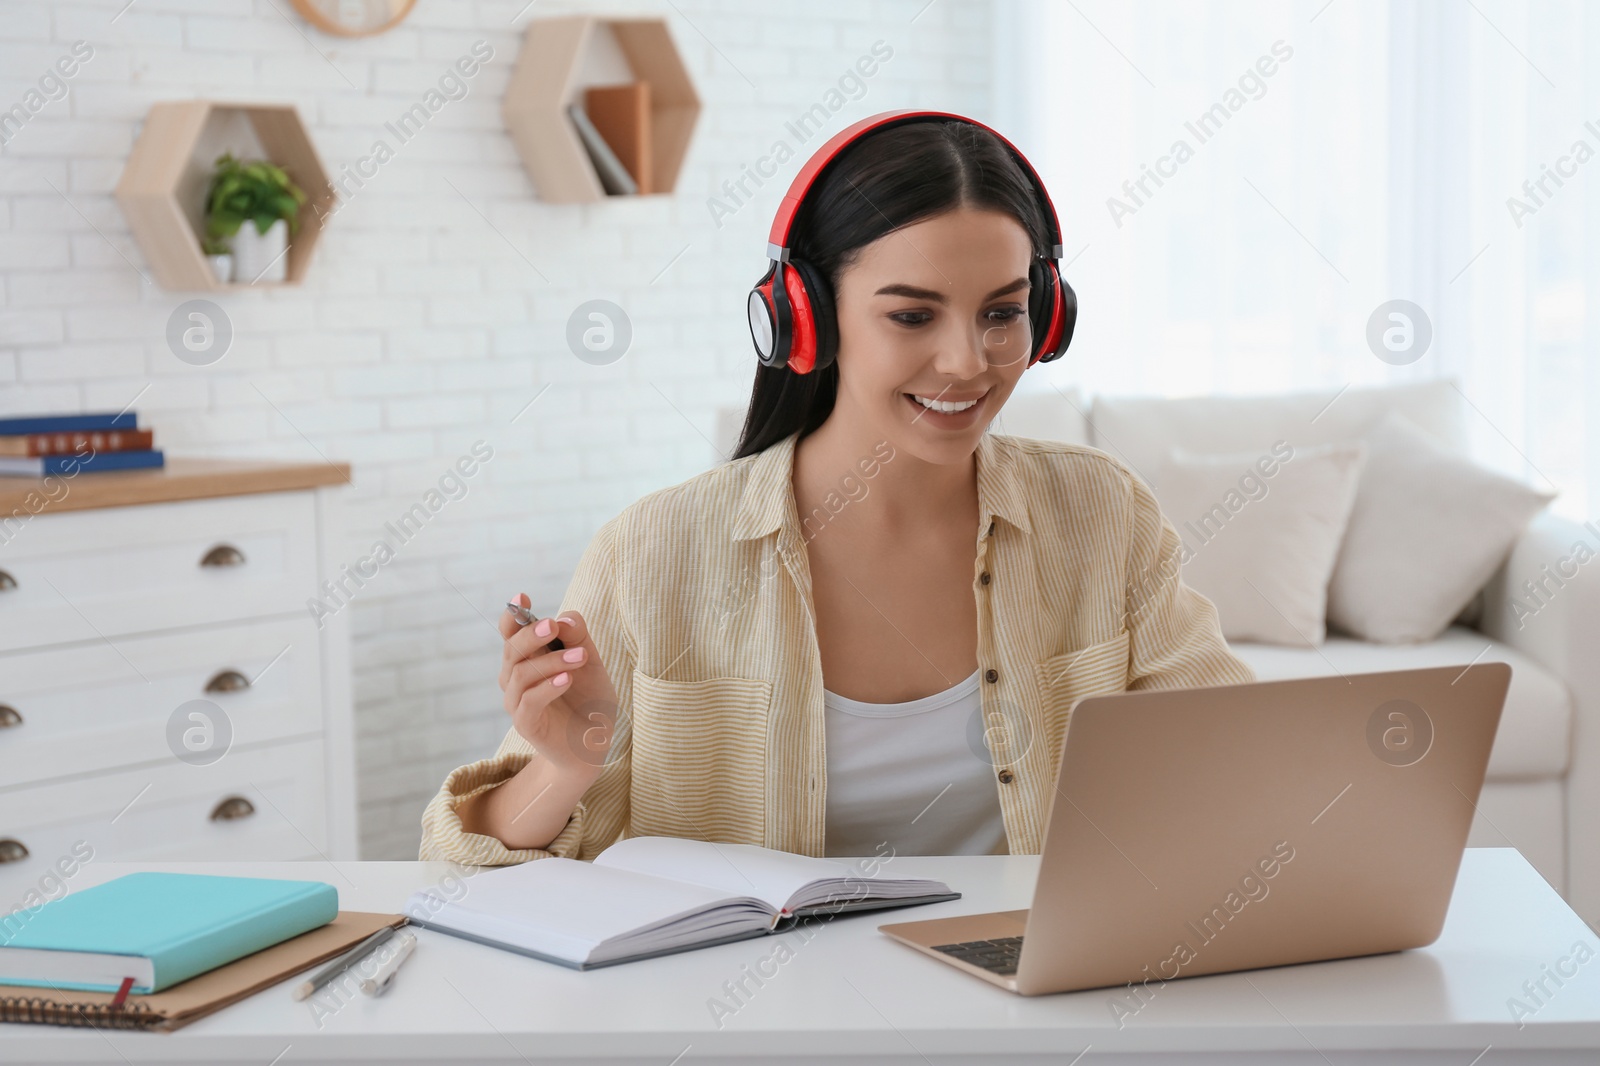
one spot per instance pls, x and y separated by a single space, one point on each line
1535 735
1427 530
1261 532
1142 430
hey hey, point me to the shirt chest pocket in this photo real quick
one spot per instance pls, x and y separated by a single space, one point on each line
699 758
1066 678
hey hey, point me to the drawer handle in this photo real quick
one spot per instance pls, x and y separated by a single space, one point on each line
9 716
7 582
223 555
231 808
228 681
12 851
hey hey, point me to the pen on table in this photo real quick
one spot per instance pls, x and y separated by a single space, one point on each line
379 982
524 616
343 962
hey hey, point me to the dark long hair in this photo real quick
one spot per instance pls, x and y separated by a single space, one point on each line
888 179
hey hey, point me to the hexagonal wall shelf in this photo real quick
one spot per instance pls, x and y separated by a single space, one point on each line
163 188
560 58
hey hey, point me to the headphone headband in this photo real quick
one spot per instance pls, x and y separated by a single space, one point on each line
778 238
790 310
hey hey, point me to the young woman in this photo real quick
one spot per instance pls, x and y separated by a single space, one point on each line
868 628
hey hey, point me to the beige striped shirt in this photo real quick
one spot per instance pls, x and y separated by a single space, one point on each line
698 598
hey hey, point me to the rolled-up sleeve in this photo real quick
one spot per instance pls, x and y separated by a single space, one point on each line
1175 639
599 817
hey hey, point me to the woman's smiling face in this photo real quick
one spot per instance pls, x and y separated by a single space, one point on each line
937 309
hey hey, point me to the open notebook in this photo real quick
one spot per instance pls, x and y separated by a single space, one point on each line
650 895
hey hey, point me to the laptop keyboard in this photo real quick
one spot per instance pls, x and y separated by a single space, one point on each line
996 956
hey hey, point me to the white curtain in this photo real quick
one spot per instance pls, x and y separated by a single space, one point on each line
1244 183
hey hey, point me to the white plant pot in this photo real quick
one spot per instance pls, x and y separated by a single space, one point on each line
260 258
221 267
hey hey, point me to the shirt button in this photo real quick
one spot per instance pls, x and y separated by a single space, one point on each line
983 578
1005 777
991 676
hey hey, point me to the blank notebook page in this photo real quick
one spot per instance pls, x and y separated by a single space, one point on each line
734 869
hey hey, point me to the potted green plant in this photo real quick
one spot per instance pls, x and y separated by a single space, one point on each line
262 194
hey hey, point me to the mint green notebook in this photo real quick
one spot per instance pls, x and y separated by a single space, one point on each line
158 928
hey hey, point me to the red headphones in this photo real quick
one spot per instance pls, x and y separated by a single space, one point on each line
791 308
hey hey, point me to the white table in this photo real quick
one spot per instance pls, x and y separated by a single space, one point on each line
849 994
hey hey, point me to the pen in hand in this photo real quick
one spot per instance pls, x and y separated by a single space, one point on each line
524 616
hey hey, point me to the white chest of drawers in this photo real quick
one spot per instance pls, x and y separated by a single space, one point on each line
165 692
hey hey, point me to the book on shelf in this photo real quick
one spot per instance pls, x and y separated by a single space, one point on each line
621 115
66 442
45 465
653 895
60 423
44 445
614 177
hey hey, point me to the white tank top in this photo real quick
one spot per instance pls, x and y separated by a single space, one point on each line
915 775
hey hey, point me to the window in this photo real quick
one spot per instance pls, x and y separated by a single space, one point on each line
1242 184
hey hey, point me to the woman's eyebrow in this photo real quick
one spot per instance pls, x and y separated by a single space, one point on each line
915 293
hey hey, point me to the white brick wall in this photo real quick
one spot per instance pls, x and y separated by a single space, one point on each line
421 326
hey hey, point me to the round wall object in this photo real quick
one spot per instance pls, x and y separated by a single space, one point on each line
354 18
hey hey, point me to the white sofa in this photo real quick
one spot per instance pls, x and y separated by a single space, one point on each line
1542 793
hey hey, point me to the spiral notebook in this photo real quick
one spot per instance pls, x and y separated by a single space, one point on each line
198 996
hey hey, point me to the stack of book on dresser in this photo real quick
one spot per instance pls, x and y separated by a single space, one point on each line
65 445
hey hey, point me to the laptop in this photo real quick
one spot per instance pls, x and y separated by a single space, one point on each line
1207 830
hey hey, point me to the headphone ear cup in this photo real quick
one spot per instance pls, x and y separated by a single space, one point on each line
1069 317
824 325
1055 313
1041 306
802 327
767 308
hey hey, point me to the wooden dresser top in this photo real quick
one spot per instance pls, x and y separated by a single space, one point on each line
179 479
